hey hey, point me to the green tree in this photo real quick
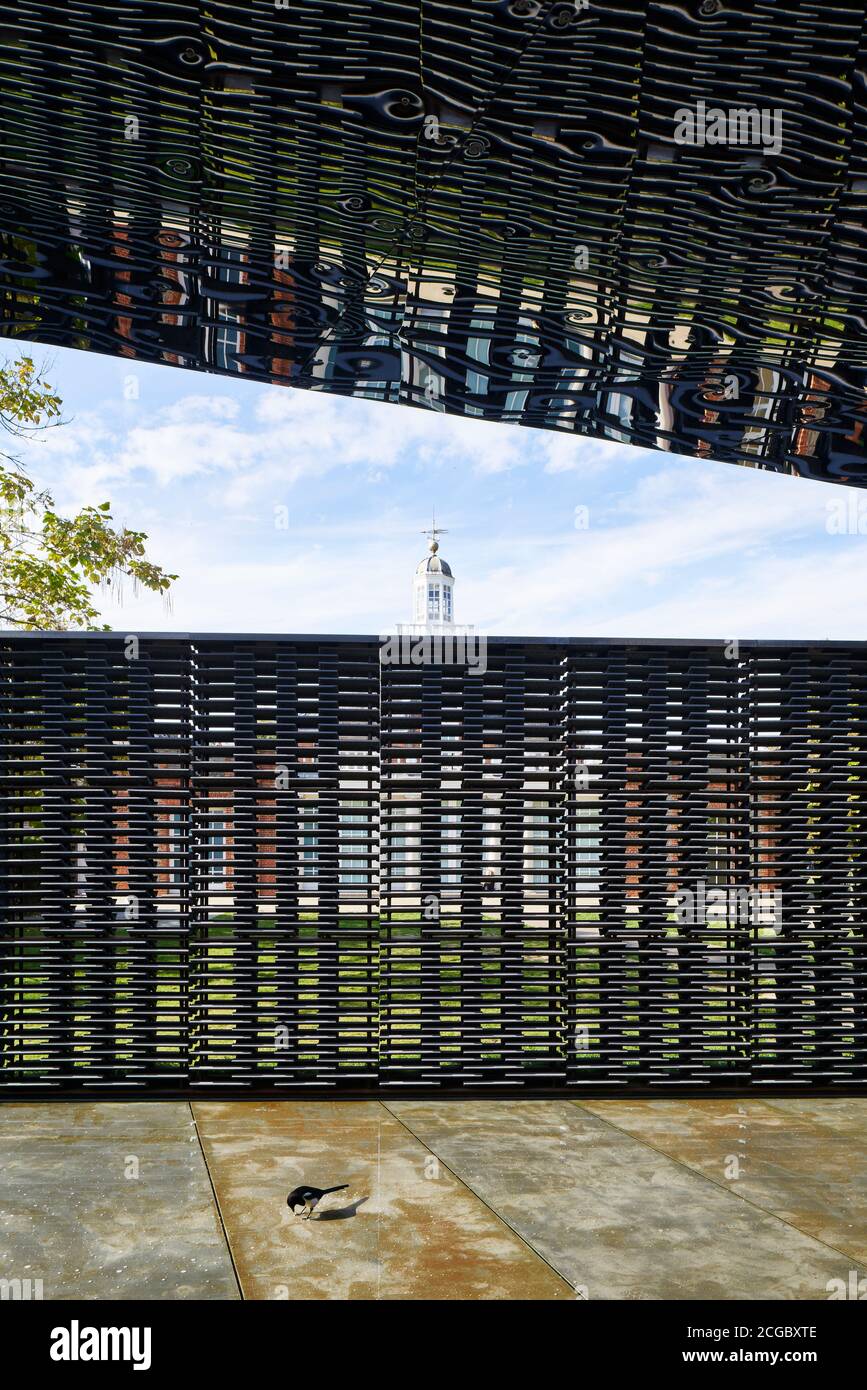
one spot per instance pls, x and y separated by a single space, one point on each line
49 564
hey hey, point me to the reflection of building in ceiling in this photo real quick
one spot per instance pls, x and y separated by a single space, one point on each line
487 209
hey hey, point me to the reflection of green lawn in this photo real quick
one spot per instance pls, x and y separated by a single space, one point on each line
498 974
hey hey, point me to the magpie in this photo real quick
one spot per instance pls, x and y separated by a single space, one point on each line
310 1197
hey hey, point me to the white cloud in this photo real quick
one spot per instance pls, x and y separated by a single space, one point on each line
190 408
707 555
674 546
575 453
663 563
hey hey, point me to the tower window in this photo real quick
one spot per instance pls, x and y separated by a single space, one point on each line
447 604
433 601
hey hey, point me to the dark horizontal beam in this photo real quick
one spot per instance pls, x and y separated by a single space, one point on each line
301 639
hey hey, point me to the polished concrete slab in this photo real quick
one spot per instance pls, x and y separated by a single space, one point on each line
707 1199
406 1228
844 1115
803 1160
614 1214
109 1201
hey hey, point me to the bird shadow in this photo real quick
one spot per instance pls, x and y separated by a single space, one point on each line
341 1213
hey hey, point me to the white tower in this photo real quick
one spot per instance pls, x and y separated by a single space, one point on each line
433 588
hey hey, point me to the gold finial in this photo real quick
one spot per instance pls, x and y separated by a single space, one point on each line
433 544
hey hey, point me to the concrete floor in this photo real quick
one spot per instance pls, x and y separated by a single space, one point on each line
446 1200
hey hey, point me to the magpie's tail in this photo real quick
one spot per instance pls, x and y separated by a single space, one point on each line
342 1188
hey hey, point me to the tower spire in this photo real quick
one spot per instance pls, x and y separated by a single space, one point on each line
433 544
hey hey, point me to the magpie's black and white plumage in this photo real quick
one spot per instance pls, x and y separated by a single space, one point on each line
310 1197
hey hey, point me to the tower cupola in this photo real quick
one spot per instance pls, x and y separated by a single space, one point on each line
433 585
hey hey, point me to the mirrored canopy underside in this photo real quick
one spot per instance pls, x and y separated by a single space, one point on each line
491 208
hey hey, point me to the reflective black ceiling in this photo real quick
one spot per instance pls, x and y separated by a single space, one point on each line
640 222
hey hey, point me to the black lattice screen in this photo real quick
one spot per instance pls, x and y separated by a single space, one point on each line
276 864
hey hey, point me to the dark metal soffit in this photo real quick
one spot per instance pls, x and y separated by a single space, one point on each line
477 207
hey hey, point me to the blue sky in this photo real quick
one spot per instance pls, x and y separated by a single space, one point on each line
289 511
